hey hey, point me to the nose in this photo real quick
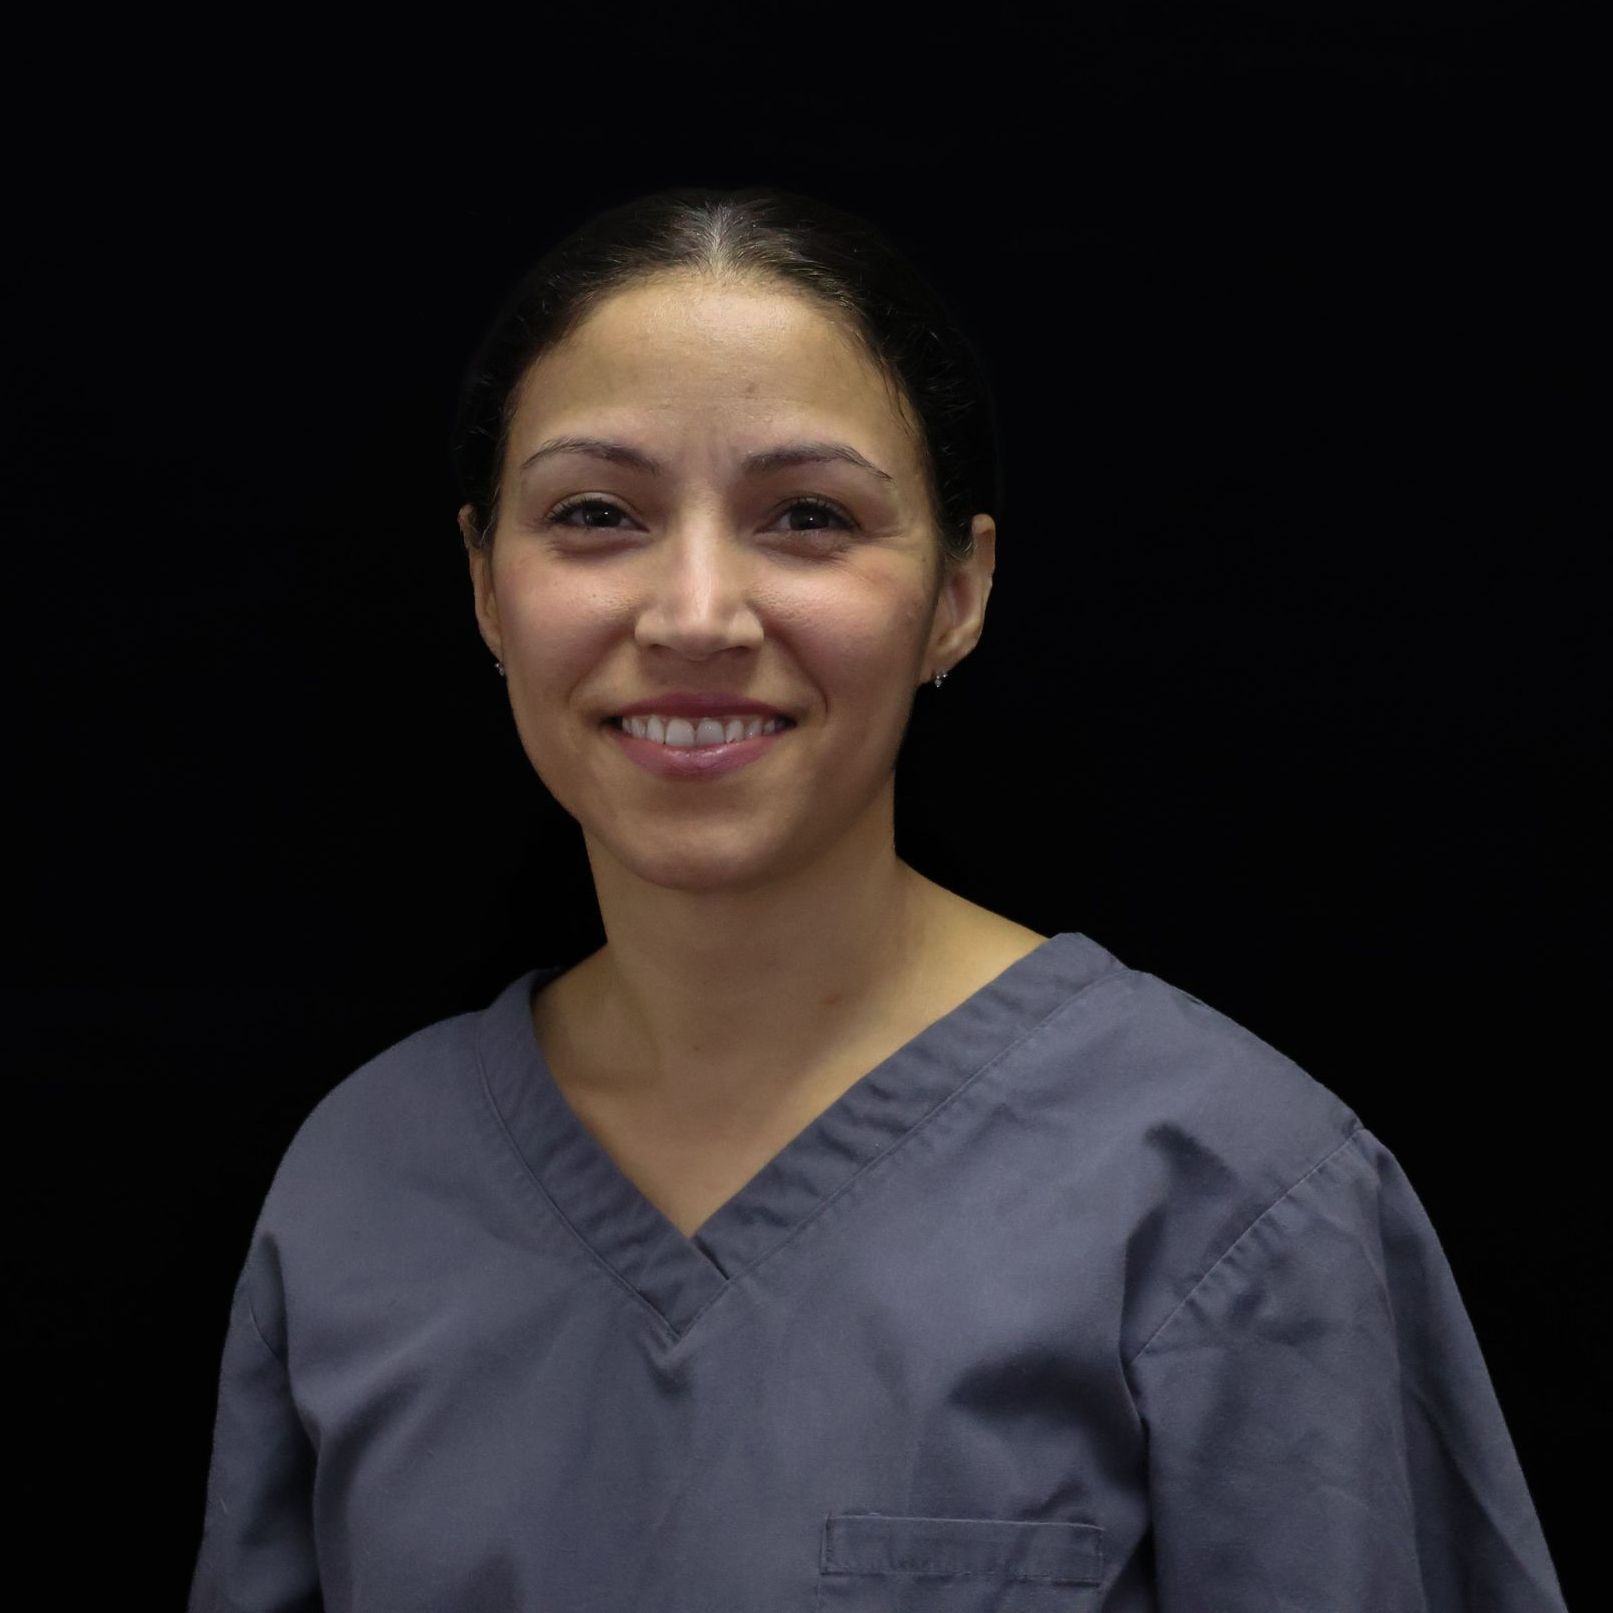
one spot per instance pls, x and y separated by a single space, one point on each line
697 594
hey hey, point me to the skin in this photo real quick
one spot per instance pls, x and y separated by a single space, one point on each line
763 936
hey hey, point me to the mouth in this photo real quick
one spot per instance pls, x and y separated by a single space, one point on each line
620 723
694 762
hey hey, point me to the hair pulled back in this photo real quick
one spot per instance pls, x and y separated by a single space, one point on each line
757 234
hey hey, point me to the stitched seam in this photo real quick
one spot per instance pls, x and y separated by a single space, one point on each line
897 1143
999 1576
1091 1536
1176 1310
638 1301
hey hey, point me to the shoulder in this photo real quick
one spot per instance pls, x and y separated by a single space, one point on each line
382 1141
1201 1126
377 1122
1202 1074
1192 1104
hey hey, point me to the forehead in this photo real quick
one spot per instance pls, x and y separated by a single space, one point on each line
735 357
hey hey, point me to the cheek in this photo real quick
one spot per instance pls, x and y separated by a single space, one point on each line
557 622
869 624
855 649
846 625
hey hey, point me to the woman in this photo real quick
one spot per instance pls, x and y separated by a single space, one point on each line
823 1239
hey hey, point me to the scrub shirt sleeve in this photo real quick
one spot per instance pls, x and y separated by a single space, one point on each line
257 1550
1322 1431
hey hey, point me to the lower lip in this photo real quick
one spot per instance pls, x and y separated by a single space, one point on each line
693 761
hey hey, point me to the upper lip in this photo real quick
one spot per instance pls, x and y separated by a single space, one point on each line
688 704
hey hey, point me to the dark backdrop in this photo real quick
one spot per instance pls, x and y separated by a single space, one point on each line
1285 693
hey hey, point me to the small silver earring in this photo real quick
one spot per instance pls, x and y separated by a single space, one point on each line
500 665
938 677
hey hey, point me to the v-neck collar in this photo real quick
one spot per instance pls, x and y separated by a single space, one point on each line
679 1275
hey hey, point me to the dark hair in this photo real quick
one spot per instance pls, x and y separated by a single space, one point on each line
852 269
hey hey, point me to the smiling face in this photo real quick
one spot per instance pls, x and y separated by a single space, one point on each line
708 576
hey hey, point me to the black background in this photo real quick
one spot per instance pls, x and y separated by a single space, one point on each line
1285 694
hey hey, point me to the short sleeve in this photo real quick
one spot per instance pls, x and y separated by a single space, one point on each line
257 1550
1322 1431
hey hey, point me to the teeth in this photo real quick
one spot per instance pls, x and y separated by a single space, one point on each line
708 731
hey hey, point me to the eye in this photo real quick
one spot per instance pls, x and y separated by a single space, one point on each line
818 506
557 516
821 506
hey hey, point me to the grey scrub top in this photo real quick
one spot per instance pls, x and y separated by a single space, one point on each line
1085 1298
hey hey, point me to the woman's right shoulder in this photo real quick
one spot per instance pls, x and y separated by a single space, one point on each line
383 1113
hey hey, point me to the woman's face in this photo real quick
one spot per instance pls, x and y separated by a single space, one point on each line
705 576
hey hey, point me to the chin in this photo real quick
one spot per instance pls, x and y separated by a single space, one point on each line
699 857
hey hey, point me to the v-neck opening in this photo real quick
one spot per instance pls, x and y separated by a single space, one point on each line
678 1274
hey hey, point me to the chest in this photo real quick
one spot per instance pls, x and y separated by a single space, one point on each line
691 1153
689 1163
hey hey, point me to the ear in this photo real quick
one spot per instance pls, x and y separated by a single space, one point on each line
960 614
480 557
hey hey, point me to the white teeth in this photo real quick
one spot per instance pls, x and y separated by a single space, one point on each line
709 731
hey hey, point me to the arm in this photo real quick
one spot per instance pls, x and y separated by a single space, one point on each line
257 1550
1323 1434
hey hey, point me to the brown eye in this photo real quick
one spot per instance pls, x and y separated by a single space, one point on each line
558 514
821 507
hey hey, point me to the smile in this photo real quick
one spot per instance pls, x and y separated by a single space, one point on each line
696 761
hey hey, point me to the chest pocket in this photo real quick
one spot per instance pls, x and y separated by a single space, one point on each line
874 1563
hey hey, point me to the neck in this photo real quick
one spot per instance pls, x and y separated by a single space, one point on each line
706 993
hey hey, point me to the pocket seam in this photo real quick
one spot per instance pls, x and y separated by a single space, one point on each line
875 1529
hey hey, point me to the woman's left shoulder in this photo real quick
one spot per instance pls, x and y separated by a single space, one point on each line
1200 1076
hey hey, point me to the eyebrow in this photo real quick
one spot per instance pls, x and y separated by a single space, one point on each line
767 459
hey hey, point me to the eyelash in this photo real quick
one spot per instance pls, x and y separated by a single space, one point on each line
584 500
